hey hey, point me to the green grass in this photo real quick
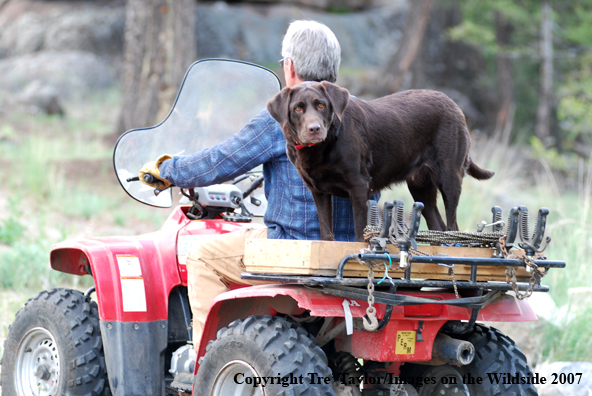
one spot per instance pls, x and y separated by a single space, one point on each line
568 342
80 202
40 190
12 228
26 266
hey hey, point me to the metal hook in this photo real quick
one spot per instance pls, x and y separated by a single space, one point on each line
370 322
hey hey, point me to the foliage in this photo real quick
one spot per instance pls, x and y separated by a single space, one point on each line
573 56
11 228
478 25
576 19
551 156
575 103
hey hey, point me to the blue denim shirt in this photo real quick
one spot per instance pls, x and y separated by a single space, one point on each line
291 212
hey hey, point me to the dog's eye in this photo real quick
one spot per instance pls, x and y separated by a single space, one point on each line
298 109
321 106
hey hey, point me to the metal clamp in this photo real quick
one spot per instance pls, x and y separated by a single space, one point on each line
402 234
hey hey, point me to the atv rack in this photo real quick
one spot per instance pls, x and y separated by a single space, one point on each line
406 281
402 236
479 294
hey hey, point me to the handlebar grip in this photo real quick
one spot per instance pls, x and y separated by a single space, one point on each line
132 179
148 178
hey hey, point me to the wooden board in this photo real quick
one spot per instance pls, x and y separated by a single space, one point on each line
321 258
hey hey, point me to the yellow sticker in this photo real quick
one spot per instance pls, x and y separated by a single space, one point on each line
405 343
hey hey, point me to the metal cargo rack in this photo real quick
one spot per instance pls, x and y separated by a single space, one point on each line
476 294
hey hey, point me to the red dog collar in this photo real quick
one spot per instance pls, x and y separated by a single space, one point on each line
301 146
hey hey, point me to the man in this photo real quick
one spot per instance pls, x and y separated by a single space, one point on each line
310 52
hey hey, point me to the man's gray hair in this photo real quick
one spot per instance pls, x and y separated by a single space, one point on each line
313 49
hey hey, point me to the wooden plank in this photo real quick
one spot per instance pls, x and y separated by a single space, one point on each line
321 258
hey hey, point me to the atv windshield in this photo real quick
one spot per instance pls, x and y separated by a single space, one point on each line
216 99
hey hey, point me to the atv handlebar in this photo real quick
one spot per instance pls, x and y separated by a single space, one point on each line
148 178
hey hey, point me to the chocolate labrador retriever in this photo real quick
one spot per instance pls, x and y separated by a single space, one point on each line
351 148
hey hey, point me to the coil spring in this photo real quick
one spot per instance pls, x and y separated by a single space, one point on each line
373 217
536 227
399 218
497 217
509 224
524 224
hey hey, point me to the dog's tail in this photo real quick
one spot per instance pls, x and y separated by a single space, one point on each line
477 172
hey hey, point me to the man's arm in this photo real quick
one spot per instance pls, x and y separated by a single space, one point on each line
251 146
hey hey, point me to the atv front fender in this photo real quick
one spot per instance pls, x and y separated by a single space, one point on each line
132 283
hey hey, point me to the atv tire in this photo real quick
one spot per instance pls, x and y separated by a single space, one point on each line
262 347
54 347
495 353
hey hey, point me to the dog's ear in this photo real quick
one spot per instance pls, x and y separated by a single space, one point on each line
339 97
278 106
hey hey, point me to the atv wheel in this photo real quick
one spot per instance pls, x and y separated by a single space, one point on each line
54 347
262 347
496 353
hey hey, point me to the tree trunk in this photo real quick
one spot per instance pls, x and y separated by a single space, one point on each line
503 32
413 32
543 125
160 45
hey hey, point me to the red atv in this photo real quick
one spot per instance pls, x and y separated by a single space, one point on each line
303 335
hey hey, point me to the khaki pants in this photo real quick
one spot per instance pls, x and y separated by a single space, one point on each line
212 263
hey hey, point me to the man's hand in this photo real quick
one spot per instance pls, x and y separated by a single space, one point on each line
153 168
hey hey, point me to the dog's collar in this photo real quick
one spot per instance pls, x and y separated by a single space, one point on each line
301 146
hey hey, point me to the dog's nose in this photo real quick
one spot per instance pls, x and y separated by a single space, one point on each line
314 129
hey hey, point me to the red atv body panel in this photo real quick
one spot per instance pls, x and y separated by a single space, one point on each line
377 346
160 270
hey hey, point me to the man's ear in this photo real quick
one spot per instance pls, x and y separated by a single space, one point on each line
338 97
278 106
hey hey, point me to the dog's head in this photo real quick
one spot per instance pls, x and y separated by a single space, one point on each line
306 111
